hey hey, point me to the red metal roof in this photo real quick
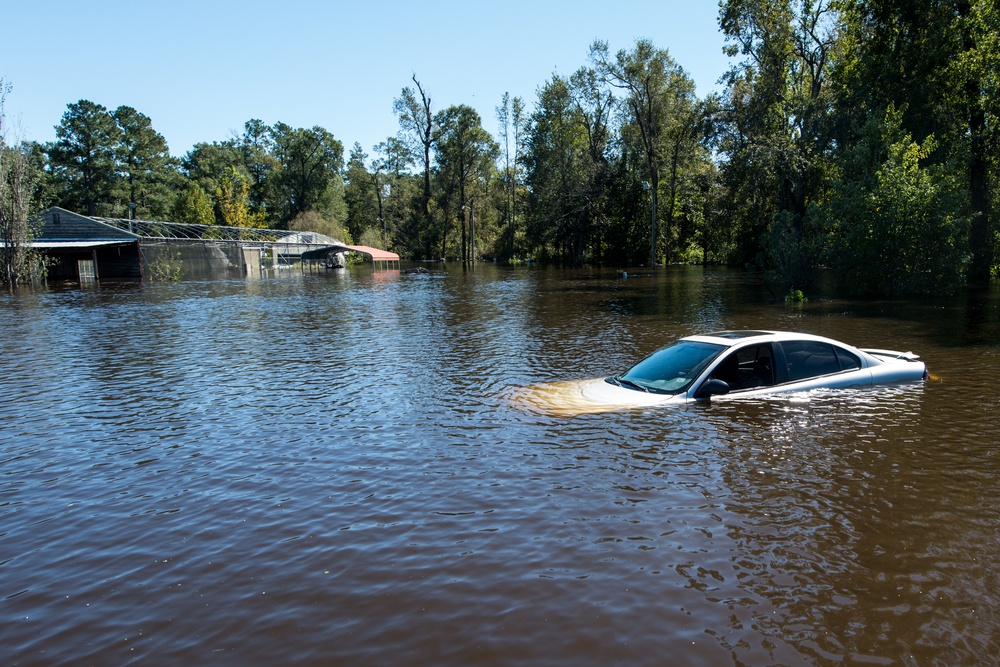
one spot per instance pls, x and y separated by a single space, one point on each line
376 254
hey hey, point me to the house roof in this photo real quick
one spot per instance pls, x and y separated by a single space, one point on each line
56 245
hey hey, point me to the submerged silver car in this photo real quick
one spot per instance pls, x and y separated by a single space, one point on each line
732 363
756 362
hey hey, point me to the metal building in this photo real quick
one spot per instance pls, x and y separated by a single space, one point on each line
84 248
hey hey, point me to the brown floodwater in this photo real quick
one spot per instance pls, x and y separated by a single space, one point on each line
336 469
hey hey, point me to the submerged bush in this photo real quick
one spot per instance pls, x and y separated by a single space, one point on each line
166 268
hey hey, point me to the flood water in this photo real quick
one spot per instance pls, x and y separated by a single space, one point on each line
334 469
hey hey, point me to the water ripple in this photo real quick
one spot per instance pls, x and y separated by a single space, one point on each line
331 469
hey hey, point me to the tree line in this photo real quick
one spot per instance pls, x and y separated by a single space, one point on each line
858 136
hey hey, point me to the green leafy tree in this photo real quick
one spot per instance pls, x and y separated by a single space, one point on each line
256 147
593 106
936 63
362 193
897 224
82 158
394 156
45 191
314 221
708 216
207 164
233 197
512 117
309 177
555 170
18 262
660 103
776 139
193 205
373 238
416 130
373 192
978 68
397 186
465 151
144 164
569 173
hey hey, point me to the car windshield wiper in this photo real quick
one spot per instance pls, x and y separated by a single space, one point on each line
620 381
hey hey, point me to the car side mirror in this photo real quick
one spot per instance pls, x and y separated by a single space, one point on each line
711 388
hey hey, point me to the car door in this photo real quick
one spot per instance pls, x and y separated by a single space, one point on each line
811 364
747 369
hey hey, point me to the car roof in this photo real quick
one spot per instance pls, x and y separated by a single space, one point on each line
737 337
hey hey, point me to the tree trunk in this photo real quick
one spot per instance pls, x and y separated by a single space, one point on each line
465 215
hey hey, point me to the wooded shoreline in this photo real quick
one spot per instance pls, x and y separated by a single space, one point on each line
857 136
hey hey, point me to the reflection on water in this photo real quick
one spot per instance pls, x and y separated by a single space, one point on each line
336 469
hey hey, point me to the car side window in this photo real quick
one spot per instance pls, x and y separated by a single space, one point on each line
747 368
808 359
848 360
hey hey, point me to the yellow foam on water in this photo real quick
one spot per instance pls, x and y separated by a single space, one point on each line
561 399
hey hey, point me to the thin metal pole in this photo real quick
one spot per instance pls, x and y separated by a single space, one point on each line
652 231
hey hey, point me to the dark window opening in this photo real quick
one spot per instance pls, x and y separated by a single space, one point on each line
747 368
848 360
808 359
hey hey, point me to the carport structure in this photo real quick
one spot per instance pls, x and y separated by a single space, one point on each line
380 258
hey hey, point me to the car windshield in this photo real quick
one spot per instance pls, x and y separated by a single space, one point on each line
671 369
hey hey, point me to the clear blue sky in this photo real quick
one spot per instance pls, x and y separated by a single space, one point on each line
199 70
